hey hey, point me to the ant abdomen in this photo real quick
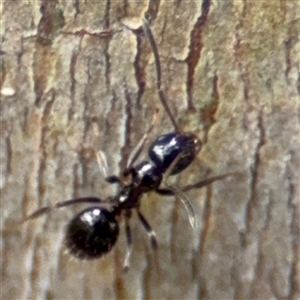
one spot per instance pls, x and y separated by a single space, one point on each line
92 233
175 145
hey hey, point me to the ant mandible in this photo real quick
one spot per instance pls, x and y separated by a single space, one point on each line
94 231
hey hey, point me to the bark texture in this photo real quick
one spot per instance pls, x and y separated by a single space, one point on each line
78 76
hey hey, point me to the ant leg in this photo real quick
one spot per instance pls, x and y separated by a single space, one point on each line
149 230
102 163
126 264
48 209
140 146
175 191
170 168
197 185
204 182
103 166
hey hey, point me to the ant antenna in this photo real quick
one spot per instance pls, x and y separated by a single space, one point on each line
161 95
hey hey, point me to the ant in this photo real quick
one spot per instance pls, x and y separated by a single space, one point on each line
94 231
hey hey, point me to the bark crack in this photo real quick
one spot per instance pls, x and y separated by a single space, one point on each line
295 233
208 114
254 172
195 47
200 252
72 72
127 133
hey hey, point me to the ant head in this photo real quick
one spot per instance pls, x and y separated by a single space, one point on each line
92 233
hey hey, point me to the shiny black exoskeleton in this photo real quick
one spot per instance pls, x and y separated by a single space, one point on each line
94 231
169 146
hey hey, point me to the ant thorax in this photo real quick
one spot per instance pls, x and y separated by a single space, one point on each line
145 177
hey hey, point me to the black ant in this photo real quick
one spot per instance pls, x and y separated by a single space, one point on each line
94 231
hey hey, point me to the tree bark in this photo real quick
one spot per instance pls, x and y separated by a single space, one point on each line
79 76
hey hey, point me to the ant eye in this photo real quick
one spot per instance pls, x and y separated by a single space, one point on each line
91 233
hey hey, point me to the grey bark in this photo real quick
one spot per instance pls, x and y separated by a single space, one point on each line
75 79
